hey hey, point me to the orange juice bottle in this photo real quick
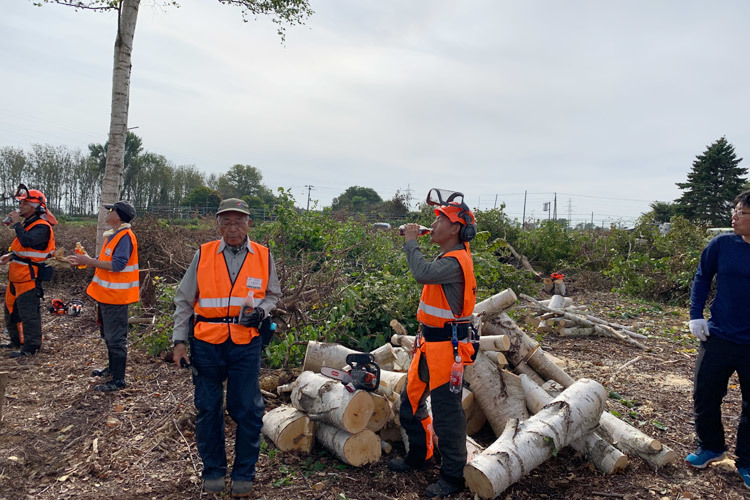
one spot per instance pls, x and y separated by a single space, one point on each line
79 250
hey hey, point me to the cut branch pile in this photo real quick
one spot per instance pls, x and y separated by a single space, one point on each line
558 315
510 386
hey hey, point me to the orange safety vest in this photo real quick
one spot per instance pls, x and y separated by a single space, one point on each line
19 272
219 300
116 287
434 309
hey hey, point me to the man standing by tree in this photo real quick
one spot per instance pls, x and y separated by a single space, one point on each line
725 340
223 278
447 302
114 287
33 244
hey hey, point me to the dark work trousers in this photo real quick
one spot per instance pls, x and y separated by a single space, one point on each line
239 365
113 326
448 423
717 360
26 311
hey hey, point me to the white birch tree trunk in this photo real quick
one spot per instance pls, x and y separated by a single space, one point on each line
289 429
118 125
354 449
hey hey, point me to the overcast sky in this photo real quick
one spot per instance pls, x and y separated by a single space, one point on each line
605 103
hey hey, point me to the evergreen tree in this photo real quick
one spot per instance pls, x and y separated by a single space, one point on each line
712 184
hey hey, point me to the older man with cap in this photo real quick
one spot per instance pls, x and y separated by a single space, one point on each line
115 286
33 244
230 287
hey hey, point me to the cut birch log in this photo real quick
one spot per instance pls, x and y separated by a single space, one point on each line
525 350
394 381
596 449
523 446
475 417
381 412
498 392
557 302
321 354
403 359
547 285
356 450
385 447
391 432
502 361
327 400
3 385
496 304
494 343
558 286
385 357
580 331
405 341
568 301
631 440
289 429
398 327
472 449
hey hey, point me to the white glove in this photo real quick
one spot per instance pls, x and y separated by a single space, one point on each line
699 328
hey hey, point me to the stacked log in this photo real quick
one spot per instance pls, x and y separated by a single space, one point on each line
503 388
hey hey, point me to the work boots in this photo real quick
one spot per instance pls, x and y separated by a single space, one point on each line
111 386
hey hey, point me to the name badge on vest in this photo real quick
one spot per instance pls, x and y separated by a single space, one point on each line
108 251
254 283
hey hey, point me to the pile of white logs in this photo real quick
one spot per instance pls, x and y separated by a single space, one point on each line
531 404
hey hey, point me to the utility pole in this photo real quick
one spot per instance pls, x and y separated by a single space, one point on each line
523 217
570 213
555 215
309 187
495 202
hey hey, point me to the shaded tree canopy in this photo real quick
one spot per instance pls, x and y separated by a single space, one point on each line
356 199
663 211
712 184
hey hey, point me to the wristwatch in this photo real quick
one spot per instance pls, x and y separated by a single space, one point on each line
178 342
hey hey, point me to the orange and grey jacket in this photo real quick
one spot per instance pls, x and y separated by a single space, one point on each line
220 301
434 309
116 287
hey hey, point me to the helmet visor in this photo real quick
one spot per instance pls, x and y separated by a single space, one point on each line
21 193
443 197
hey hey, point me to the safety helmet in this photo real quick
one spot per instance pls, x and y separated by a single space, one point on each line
32 196
451 204
456 213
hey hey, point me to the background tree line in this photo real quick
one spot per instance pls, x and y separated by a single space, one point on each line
72 180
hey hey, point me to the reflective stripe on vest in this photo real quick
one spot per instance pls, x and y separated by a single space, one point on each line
434 309
18 271
116 287
218 297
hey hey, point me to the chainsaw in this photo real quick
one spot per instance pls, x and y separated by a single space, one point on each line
364 373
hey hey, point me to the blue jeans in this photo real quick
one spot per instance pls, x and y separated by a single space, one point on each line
239 365
717 360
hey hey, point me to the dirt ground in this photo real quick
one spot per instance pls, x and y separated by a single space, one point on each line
59 439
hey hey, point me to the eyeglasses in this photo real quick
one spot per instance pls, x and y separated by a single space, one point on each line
226 224
739 213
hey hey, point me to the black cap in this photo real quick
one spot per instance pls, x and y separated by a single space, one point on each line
124 210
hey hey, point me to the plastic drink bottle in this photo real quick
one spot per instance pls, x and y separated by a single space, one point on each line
80 251
457 375
422 230
248 305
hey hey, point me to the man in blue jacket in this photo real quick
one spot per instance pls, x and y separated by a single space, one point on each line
725 340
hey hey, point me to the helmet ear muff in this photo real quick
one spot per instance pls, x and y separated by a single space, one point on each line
469 229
